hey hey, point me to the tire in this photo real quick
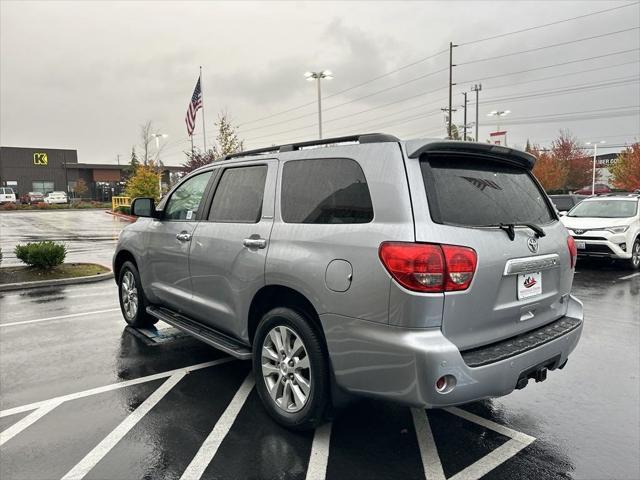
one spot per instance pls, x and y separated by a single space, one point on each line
133 303
634 261
293 381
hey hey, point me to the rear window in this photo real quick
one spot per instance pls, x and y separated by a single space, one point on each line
478 192
331 190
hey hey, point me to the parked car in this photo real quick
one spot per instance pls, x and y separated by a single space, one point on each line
430 273
7 195
564 203
600 188
607 227
32 197
55 197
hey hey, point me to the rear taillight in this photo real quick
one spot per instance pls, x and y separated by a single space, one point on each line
573 251
426 267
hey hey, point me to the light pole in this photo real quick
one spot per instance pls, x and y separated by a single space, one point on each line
158 136
477 88
499 114
595 155
318 76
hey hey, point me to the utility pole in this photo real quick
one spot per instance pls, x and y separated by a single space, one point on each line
476 88
118 157
464 127
451 84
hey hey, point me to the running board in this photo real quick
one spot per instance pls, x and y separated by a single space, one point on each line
207 335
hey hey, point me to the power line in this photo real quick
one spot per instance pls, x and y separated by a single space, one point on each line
390 72
392 87
619 52
431 56
557 22
569 42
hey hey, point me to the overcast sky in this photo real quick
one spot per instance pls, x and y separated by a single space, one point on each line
86 75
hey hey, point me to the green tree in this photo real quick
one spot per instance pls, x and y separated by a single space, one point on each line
143 183
227 139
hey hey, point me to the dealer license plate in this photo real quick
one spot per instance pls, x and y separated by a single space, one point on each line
529 285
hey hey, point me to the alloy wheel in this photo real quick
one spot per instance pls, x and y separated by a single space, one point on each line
635 254
129 294
285 369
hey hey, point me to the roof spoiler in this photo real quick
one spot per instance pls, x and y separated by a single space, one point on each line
498 152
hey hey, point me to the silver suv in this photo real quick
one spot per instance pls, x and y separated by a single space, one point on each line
426 272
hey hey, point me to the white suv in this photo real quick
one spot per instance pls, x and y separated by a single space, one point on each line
607 227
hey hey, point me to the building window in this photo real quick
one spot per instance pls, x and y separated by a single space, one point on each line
42 187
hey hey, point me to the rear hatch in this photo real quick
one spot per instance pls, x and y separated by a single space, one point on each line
522 279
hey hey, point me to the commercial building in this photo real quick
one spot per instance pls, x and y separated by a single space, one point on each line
50 169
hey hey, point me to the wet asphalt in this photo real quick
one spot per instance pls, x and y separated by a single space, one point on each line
582 422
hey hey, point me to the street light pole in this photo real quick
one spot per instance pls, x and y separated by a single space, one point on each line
158 136
595 156
318 76
477 88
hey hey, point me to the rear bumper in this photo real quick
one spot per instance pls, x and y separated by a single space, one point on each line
403 365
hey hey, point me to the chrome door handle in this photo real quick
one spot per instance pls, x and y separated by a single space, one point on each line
183 236
254 242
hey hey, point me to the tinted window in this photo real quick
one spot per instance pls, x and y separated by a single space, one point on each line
325 191
562 203
238 197
185 200
477 192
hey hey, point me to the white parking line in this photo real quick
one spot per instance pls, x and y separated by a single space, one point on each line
33 417
319 457
208 449
113 386
92 458
60 317
627 277
498 456
487 463
428 451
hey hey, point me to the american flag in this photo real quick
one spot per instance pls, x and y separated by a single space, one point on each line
194 106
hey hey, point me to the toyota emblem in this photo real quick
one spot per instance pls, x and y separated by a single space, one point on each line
532 243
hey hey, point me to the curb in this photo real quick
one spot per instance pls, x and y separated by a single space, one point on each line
124 216
7 287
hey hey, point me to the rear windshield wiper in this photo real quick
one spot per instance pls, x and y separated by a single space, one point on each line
510 229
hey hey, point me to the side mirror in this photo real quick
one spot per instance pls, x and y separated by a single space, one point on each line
143 207
562 213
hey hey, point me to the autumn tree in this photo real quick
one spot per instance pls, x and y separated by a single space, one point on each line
143 183
548 169
567 150
81 188
197 159
625 172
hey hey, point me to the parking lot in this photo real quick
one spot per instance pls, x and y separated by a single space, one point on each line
84 396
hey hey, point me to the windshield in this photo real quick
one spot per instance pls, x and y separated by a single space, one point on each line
605 209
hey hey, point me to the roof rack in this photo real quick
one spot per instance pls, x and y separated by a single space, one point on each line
290 147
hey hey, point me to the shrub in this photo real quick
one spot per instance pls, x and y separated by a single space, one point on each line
41 254
124 209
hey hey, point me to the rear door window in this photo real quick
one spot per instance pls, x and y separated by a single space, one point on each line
331 190
239 195
478 192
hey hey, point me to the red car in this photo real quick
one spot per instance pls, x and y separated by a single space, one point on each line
600 188
32 197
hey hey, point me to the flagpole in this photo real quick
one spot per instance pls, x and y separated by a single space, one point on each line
204 135
191 138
